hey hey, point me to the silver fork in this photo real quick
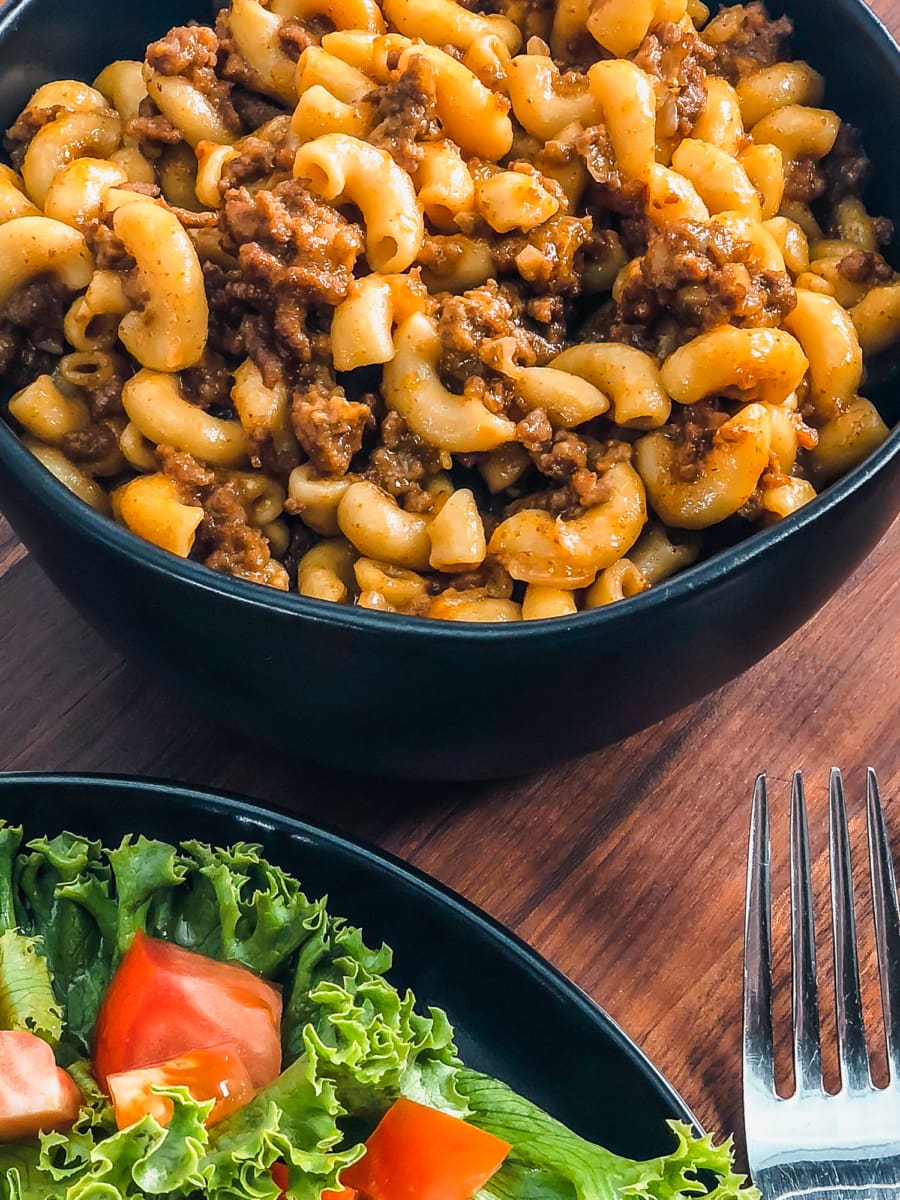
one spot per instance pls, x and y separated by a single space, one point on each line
814 1143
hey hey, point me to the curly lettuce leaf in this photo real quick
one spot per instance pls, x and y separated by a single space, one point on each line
79 963
294 1121
550 1162
27 1001
146 1159
146 872
242 908
20 1178
359 1031
10 840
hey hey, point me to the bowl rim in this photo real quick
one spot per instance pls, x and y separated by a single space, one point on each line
734 560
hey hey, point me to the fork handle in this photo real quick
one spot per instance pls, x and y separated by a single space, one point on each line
813 1181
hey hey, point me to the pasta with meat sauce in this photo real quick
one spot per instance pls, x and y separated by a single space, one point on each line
477 311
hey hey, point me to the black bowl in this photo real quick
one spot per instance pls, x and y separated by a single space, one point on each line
428 699
515 1016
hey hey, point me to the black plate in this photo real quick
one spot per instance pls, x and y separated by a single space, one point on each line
516 1017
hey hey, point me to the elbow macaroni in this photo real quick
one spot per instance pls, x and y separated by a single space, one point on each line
339 167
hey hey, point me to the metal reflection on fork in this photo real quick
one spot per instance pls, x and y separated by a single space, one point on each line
814 1143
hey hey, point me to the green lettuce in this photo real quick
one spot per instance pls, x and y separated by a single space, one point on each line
352 1043
10 840
27 1001
359 1031
550 1162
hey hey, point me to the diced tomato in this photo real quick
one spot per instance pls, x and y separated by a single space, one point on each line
36 1095
418 1153
280 1179
215 1073
165 1001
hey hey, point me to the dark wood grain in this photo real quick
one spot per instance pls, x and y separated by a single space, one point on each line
626 869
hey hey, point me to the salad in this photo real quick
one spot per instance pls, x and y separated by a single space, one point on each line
185 1022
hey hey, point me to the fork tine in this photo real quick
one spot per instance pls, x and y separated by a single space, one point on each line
887 922
807 1048
851 1031
758 1049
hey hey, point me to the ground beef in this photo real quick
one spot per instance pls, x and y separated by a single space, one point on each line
846 172
189 474
254 110
864 266
10 343
261 158
745 39
225 541
847 168
534 431
695 273
550 259
91 444
472 325
609 190
192 52
208 385
152 130
694 426
189 50
804 180
577 470
302 240
295 36
403 463
295 262
27 124
608 325
276 461
39 308
109 253
491 578
20 360
328 426
255 161
406 113
680 59
106 397
31 329
302 541
565 454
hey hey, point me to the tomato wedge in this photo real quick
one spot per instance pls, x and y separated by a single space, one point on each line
165 1001
214 1073
36 1096
419 1153
280 1179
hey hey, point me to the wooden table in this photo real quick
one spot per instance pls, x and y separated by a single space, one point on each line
626 869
